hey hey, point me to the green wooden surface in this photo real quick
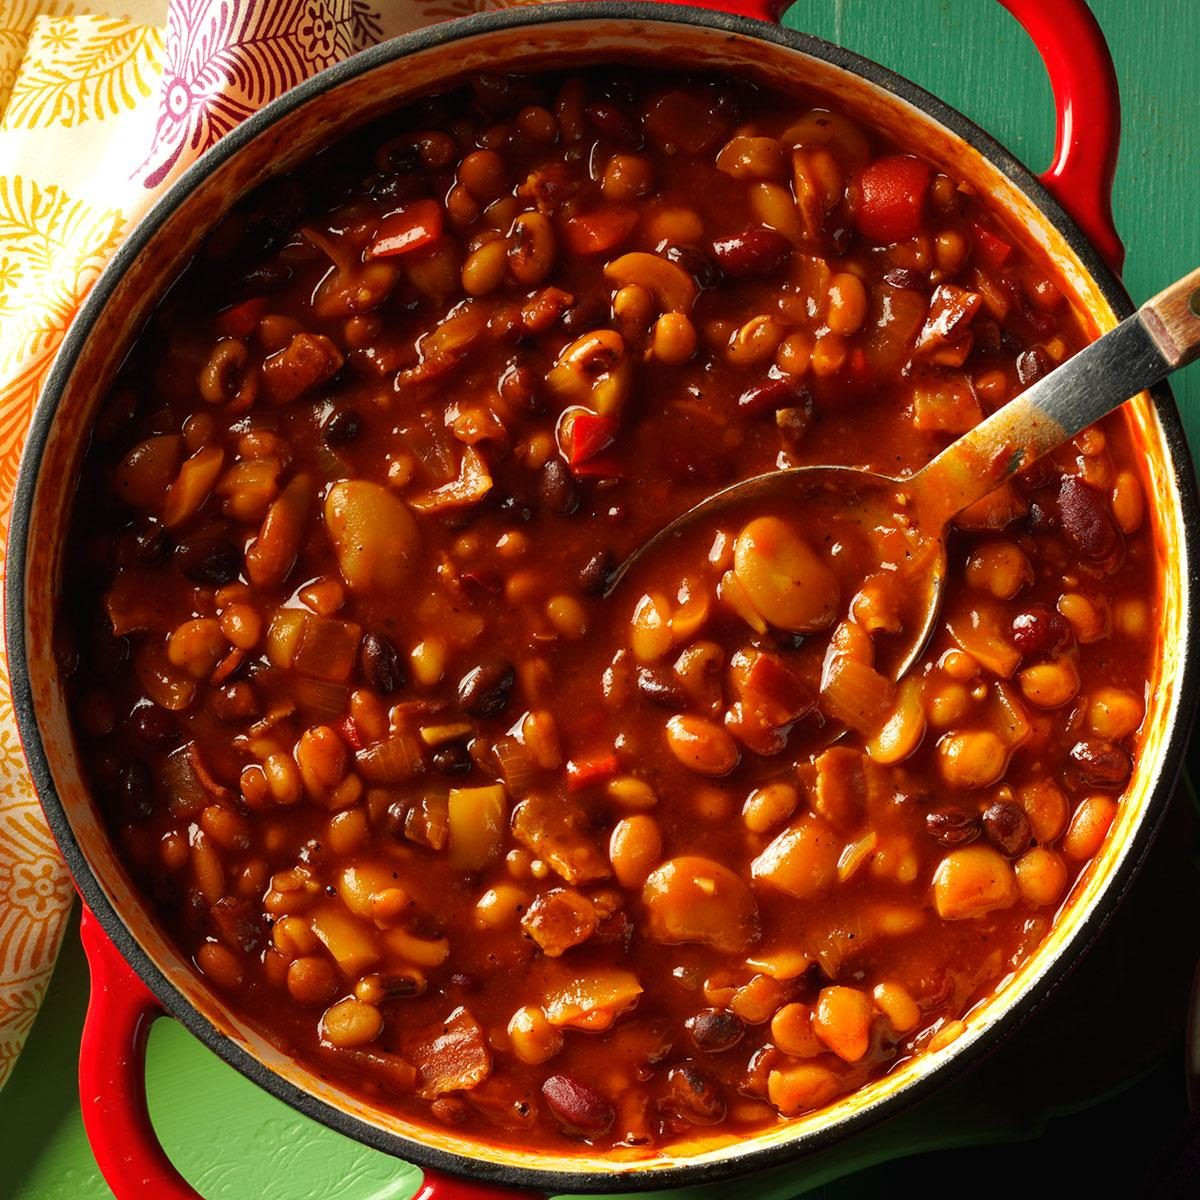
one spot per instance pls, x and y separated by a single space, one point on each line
239 1144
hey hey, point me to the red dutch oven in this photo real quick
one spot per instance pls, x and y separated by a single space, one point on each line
137 975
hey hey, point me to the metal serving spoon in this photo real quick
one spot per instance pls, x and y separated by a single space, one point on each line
1162 336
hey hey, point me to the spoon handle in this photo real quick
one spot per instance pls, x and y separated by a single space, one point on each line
1162 336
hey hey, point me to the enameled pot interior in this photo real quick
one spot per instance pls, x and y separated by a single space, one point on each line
363 90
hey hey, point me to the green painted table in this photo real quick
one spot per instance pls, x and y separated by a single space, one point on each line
235 1142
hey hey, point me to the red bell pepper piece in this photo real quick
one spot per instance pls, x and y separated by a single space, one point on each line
992 251
892 193
585 434
242 319
587 771
407 229
349 731
600 230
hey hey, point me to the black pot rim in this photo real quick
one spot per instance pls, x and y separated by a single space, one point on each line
638 1176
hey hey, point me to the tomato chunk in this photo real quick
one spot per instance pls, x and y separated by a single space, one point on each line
585 435
892 195
410 228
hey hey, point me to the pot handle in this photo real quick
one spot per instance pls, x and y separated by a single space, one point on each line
112 1088
1087 101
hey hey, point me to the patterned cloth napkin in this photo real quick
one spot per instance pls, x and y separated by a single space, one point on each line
99 111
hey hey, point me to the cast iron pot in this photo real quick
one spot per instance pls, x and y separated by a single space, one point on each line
138 975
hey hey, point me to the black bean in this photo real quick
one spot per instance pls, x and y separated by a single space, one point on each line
342 427
135 790
596 572
380 664
693 1095
153 725
1101 763
1040 630
713 1030
212 560
454 759
558 488
578 1107
697 264
952 826
585 315
661 686
151 545
1032 364
1007 827
483 690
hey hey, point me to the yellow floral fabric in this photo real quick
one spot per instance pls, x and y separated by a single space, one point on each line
102 105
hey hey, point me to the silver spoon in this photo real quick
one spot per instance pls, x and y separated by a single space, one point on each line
1162 336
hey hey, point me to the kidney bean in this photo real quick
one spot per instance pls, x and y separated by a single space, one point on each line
952 826
762 1062
212 560
660 686
1007 827
1101 763
596 572
380 664
910 281
579 1108
693 1095
558 488
1087 519
713 1030
697 264
1032 364
1040 630
752 253
342 427
483 690
773 394
614 123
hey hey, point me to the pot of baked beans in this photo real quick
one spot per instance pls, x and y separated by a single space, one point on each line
361 773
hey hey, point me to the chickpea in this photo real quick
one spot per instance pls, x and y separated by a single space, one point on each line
1114 713
500 907
897 1005
322 759
798 1087
626 177
220 965
196 647
483 174
634 849
1050 684
1046 808
242 626
971 759
347 831
829 354
461 206
652 637
631 793
842 1021
1088 621
533 1038
567 616
1041 876
973 881
792 1031
1128 505
950 250
999 568
483 271
753 158
537 124
311 981
948 704
701 745
847 304
755 342
769 806
283 779
1131 617
350 1023
795 353
428 660
674 339
1089 825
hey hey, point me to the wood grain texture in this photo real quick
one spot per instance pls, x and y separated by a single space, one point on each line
974 56
1173 317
